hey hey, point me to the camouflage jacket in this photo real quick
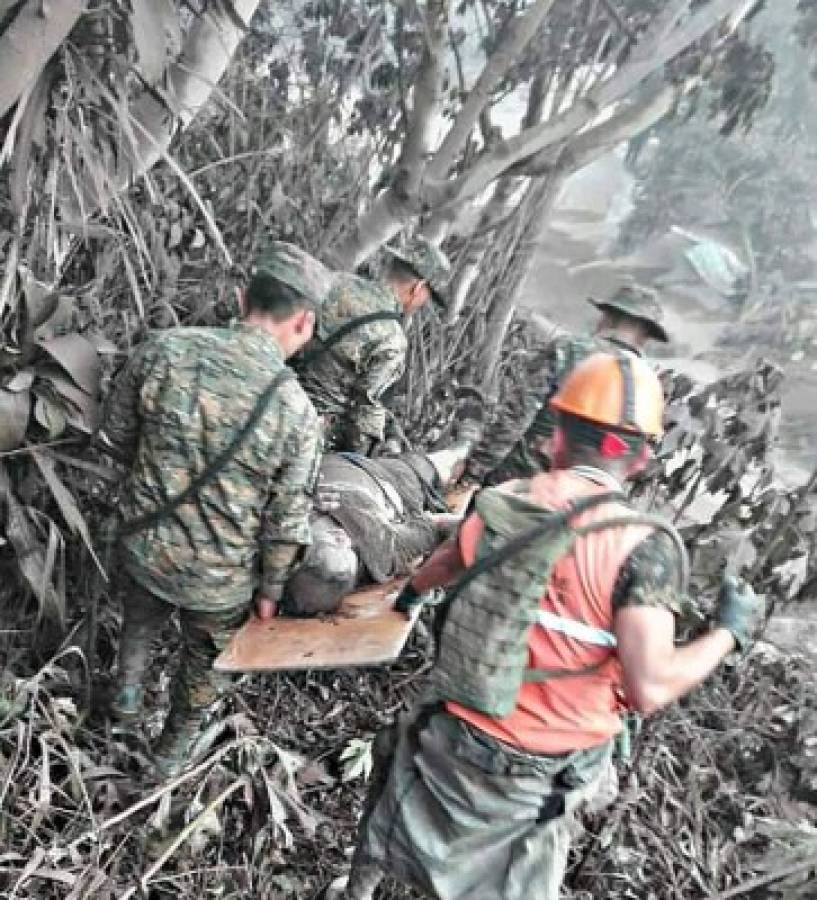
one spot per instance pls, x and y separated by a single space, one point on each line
347 383
510 448
180 399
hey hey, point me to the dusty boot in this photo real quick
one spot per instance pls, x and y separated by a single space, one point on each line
173 751
127 703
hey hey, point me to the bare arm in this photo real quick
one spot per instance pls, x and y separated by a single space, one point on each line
656 672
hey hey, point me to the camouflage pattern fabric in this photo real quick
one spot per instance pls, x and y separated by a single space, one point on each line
649 577
430 263
180 399
195 684
638 302
511 446
459 815
381 509
347 383
281 262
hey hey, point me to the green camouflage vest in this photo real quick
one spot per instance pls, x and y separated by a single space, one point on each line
482 658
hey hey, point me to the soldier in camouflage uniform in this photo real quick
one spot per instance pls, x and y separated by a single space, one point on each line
515 443
347 384
182 397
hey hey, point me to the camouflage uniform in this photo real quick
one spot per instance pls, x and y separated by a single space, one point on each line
513 444
181 398
348 384
458 814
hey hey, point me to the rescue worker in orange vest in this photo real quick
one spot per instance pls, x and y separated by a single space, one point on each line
469 805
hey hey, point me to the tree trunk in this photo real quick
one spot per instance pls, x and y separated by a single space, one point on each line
30 40
484 236
520 257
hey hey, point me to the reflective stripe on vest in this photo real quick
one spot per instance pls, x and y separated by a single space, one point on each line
578 630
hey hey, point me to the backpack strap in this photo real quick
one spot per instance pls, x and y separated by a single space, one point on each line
348 327
217 465
214 468
590 634
515 545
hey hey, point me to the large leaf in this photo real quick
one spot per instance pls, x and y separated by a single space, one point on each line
86 405
65 500
41 300
15 407
77 356
50 415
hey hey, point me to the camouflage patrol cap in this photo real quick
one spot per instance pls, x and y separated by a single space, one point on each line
292 266
430 263
639 303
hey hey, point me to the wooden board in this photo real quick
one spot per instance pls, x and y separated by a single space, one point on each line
365 631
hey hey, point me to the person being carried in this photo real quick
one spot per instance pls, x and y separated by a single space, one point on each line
373 521
183 399
348 384
515 444
562 616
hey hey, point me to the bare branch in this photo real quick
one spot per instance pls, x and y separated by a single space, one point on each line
515 37
649 57
595 142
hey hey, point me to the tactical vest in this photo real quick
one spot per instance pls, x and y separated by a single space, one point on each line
483 651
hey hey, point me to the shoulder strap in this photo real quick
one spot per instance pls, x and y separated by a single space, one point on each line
348 327
153 518
517 544
216 466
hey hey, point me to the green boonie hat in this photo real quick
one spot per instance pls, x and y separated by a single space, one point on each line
430 263
290 265
639 303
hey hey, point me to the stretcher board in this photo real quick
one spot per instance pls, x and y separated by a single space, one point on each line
365 631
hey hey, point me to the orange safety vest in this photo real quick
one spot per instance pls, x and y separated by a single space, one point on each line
582 710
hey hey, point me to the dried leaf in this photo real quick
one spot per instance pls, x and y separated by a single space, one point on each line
15 408
22 381
78 356
51 416
41 299
68 506
86 405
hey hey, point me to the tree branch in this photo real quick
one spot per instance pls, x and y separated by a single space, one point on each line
598 140
648 58
29 41
427 90
516 35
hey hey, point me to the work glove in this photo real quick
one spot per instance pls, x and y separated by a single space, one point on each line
739 610
407 599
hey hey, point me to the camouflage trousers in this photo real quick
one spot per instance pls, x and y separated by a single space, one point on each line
457 814
194 685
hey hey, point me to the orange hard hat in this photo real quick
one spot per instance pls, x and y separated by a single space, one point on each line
619 390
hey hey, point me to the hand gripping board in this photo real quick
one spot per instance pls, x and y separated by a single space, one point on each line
365 631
